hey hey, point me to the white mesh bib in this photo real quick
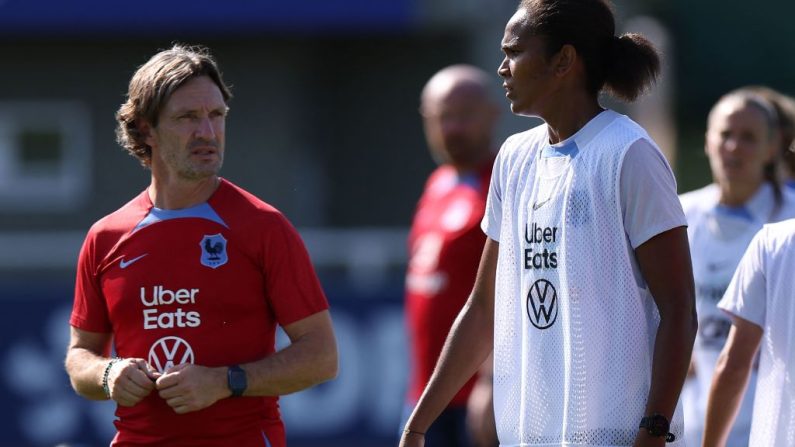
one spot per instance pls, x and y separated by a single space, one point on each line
573 340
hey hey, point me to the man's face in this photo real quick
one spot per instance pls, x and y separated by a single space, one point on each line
188 142
458 121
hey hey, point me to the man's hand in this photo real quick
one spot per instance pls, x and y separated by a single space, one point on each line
187 387
130 381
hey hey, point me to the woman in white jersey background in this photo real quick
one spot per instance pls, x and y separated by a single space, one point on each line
585 289
742 144
759 299
785 108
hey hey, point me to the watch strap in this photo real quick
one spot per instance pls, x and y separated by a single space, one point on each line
650 423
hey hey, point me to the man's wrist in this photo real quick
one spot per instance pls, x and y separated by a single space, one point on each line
106 376
236 380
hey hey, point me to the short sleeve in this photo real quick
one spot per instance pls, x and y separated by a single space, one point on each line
746 295
292 286
492 218
89 310
649 202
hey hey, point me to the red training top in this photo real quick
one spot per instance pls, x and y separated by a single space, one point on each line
205 285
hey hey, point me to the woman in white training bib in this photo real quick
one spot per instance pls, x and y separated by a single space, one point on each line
584 290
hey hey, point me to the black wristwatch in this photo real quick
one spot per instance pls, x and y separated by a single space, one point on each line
236 380
657 425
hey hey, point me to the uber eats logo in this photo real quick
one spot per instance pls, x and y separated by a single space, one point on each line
542 304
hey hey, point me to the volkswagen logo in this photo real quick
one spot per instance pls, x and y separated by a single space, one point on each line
542 304
169 351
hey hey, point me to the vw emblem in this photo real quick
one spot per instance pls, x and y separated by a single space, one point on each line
542 304
169 351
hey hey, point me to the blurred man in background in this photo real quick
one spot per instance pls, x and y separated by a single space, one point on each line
190 279
446 242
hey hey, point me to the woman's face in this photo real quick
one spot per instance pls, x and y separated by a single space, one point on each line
739 142
527 73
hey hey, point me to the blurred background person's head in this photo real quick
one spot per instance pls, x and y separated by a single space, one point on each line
459 116
785 108
742 142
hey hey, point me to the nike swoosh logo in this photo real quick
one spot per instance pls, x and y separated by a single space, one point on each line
124 264
538 205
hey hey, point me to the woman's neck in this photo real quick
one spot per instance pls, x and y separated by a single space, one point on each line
569 115
737 194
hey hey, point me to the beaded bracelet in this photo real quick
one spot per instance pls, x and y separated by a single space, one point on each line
105 375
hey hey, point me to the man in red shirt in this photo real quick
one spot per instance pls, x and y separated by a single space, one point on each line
189 280
446 241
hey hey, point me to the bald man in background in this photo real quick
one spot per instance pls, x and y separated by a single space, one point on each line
445 244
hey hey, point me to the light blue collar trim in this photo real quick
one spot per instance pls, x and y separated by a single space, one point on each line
201 211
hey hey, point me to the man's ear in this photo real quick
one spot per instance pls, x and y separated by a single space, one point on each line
565 59
145 129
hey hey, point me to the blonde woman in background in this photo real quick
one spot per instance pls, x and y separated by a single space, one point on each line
742 144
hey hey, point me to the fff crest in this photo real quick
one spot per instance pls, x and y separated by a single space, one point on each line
213 250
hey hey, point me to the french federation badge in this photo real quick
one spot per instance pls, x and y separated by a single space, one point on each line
213 250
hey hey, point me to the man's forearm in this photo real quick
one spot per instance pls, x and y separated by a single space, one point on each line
85 370
305 362
292 369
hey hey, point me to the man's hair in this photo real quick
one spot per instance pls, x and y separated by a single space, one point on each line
151 87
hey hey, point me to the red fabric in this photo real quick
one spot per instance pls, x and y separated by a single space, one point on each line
445 245
226 315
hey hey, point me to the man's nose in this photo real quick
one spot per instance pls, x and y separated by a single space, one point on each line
205 129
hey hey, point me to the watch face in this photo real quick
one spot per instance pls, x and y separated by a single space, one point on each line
237 380
658 425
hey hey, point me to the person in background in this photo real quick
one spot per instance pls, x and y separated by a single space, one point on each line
760 302
742 145
189 280
445 241
584 292
785 107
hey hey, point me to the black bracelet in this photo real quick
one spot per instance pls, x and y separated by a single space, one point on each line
105 375
409 431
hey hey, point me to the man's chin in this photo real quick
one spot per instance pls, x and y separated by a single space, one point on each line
201 174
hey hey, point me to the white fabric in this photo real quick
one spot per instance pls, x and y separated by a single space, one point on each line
718 238
761 292
573 332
